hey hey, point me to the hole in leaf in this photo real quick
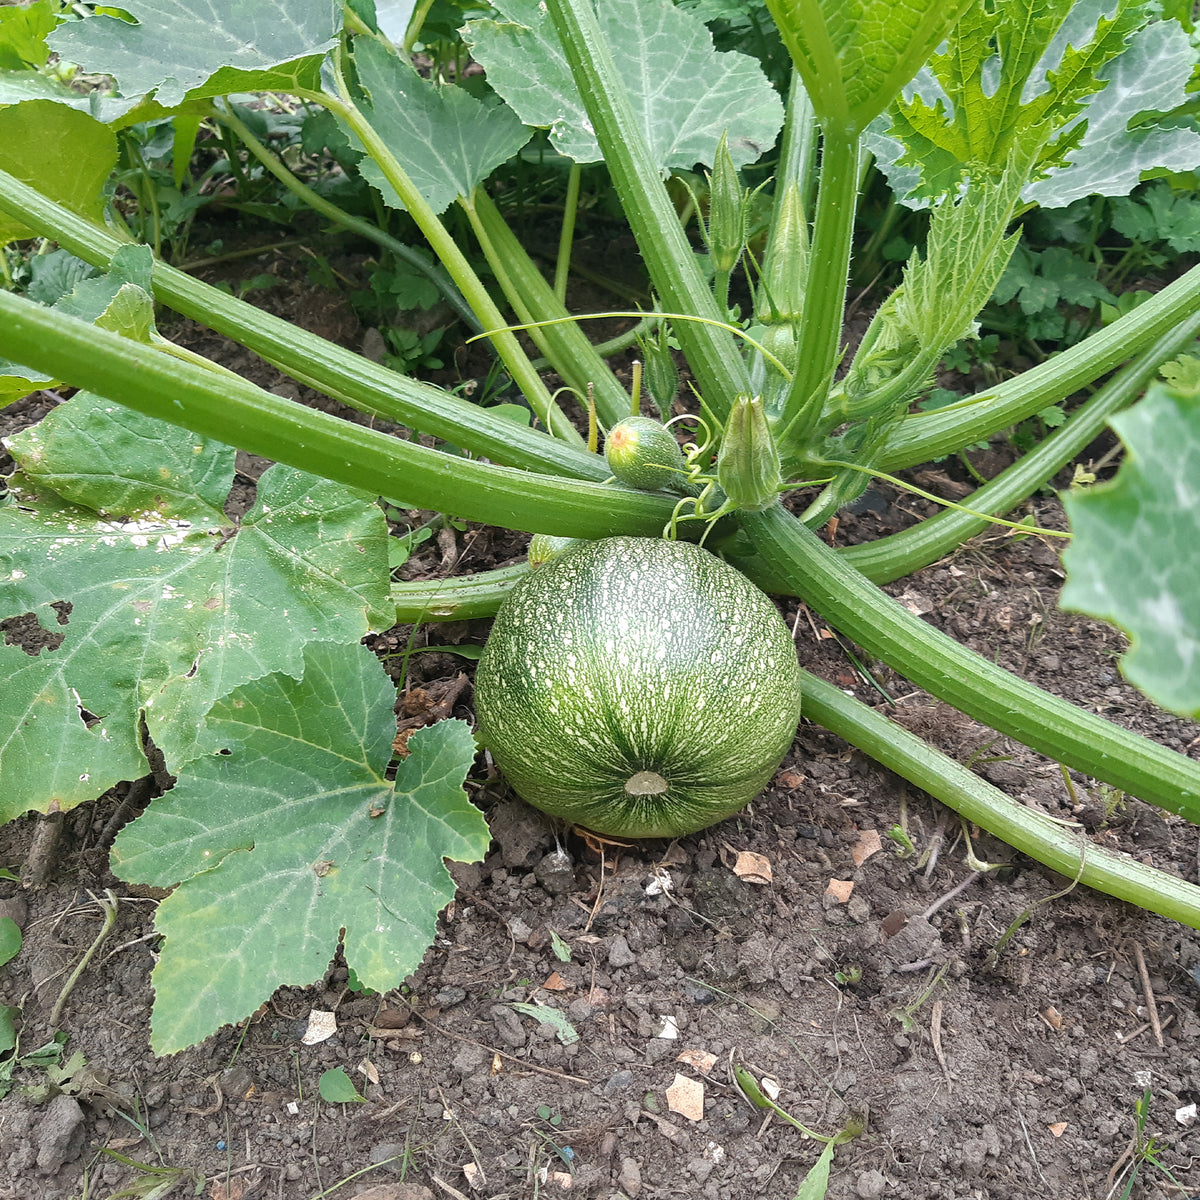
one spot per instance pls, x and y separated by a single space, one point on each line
30 634
63 610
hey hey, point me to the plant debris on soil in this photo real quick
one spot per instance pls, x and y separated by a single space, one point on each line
574 1028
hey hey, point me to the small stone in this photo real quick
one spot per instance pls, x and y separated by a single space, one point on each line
629 1178
870 1185
974 1151
59 1134
619 953
292 1172
700 1169
618 1082
556 873
469 1059
521 832
508 1026
448 997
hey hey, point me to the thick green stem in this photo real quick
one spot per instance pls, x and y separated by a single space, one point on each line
566 235
236 412
934 435
565 345
453 259
712 353
1051 842
899 554
460 598
364 229
364 385
790 557
825 290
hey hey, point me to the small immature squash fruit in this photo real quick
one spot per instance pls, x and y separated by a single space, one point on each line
638 687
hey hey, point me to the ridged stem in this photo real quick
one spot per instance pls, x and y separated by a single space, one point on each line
364 385
1051 842
565 345
453 259
791 558
238 413
900 554
922 437
460 598
711 353
825 289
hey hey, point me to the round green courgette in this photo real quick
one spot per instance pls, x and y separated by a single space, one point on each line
638 688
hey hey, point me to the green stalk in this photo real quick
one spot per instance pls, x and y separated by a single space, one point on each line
712 354
236 412
900 554
452 258
790 557
364 385
461 598
415 24
1051 842
566 236
934 435
314 200
817 352
565 345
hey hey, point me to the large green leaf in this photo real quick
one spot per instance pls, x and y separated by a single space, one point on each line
855 55
1011 77
1133 556
445 139
23 30
118 543
67 155
294 835
1150 76
178 48
684 93
16 87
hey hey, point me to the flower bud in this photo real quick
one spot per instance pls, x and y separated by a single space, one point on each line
748 467
727 202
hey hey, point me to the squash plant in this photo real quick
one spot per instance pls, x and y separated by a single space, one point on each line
161 617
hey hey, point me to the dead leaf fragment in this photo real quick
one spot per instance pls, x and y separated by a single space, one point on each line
321 1026
475 1177
1058 1128
686 1097
868 843
753 868
368 1068
840 889
1053 1017
556 983
700 1059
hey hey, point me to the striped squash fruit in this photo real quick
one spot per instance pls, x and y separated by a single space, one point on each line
638 688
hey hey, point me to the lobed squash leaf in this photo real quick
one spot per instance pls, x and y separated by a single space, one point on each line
855 55
1055 79
150 601
684 93
446 140
1132 558
66 154
296 834
174 48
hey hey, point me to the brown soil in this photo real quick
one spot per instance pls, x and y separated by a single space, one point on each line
1007 1077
